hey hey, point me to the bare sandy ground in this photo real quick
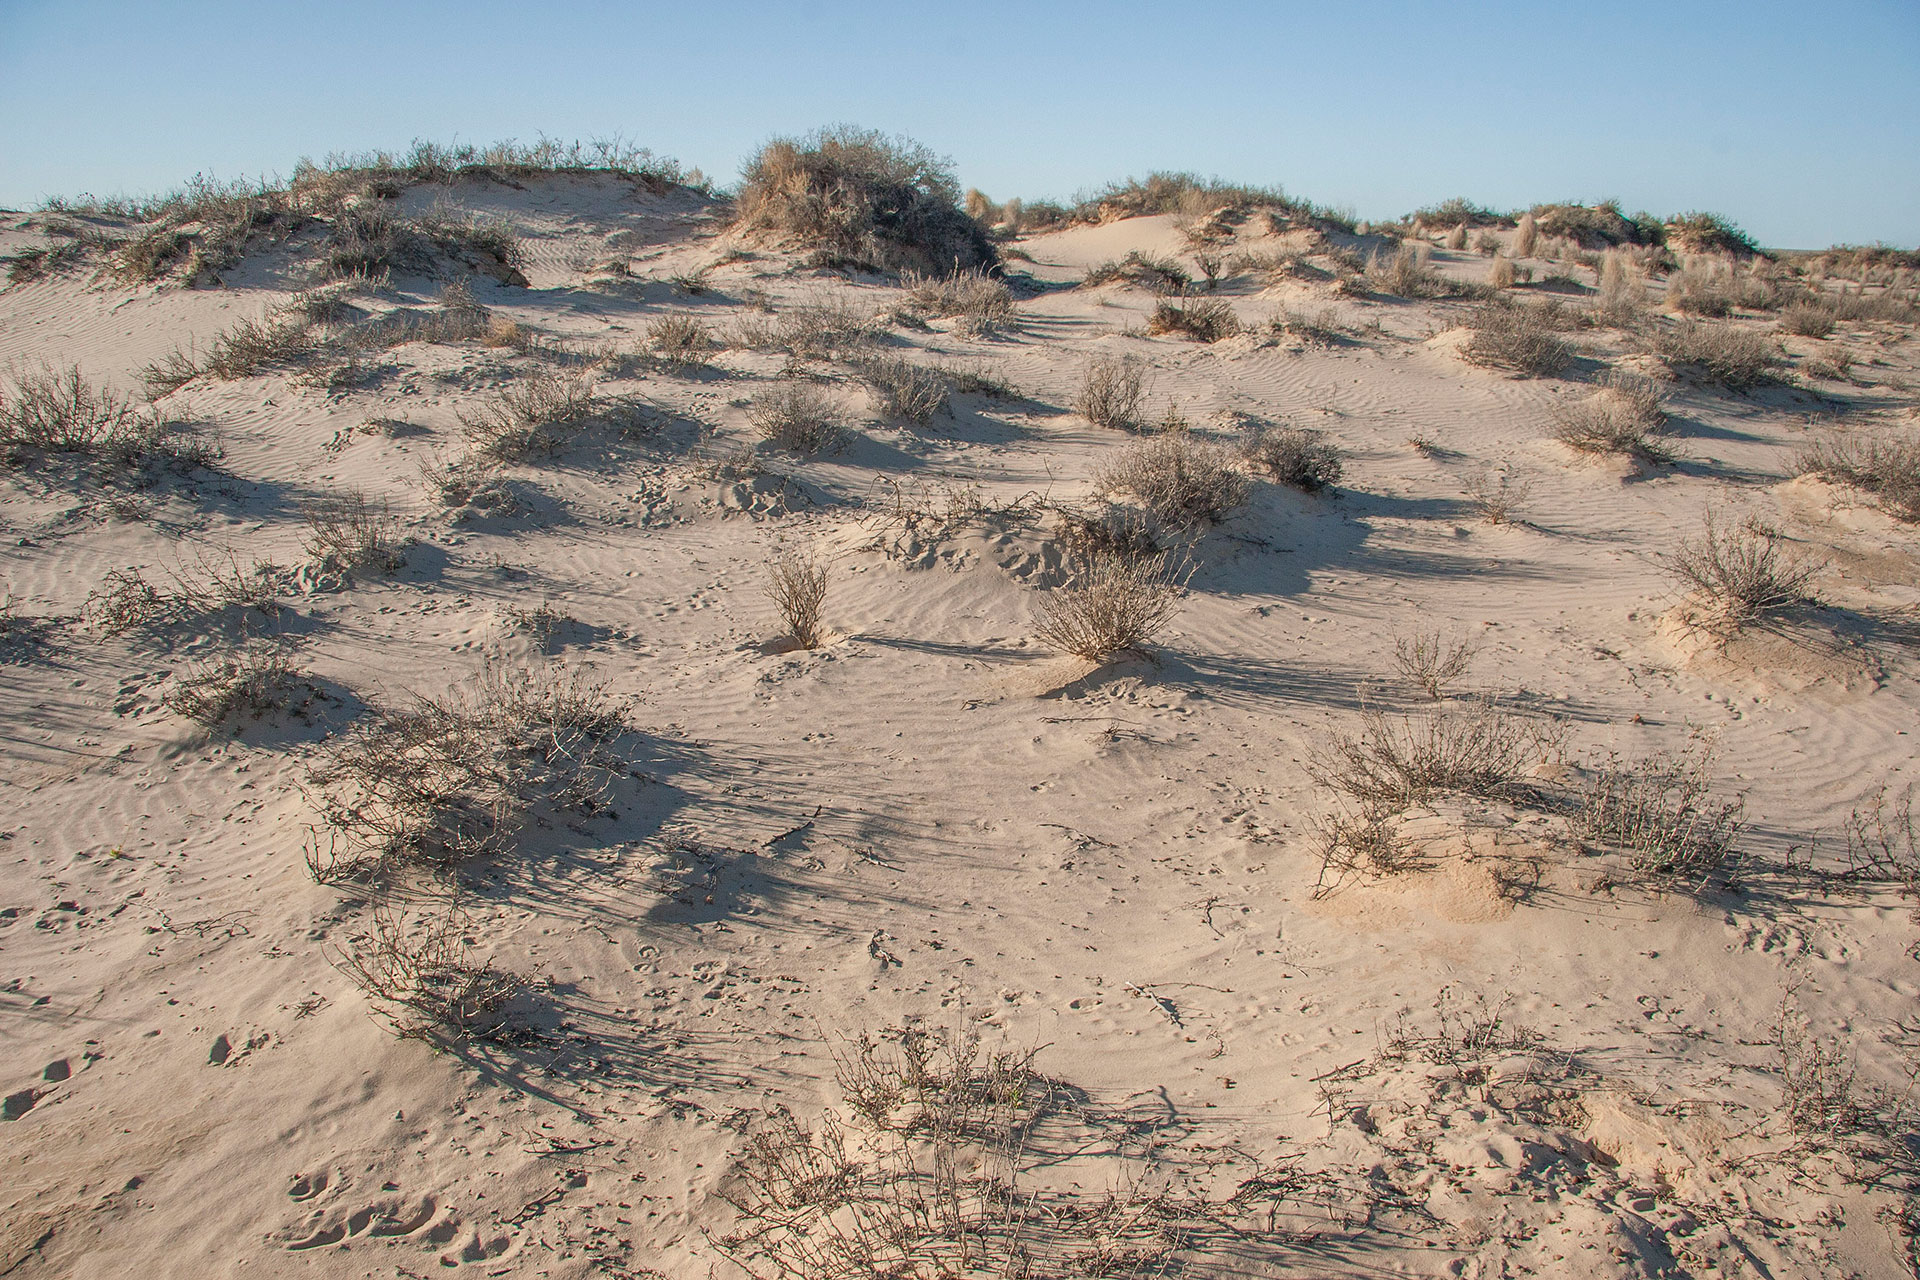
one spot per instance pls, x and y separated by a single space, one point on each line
933 820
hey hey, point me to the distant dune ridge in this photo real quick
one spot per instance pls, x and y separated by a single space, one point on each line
566 721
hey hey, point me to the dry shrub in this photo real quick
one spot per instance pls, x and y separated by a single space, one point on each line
679 340
471 483
1526 236
1112 392
1110 605
1811 319
1457 238
797 585
347 534
977 300
903 389
1623 290
1701 290
1883 843
1430 662
1740 577
58 411
1518 339
1394 763
1622 416
823 329
1499 496
539 415
252 346
1183 482
436 781
1296 456
795 415
1709 233
1162 275
928 1177
1320 330
1887 469
1662 812
862 199
1409 273
126 601
1207 321
1502 275
423 975
254 682
1362 841
1736 358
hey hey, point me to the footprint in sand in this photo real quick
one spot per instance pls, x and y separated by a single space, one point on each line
392 1218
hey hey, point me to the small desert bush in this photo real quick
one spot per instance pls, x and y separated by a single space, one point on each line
1709 233
1883 842
824 329
679 340
1526 236
977 300
1202 321
1183 482
436 781
903 389
59 411
1887 469
1111 604
1662 812
1112 392
423 975
1320 330
1502 274
1499 496
1393 763
797 585
1701 290
1808 319
1409 273
1736 358
347 534
795 415
862 199
538 415
1741 576
253 346
126 601
1162 275
251 682
1431 662
1517 339
1622 416
1296 456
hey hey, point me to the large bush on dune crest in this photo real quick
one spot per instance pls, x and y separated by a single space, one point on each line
861 199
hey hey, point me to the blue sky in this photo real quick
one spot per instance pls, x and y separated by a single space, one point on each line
1800 122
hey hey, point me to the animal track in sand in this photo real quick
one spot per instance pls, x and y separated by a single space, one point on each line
391 1218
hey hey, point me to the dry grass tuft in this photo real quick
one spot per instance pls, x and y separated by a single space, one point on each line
1736 358
980 303
1518 339
1162 275
797 585
1295 456
903 389
1204 321
1499 496
433 782
59 412
348 535
1430 662
423 974
796 415
539 415
1112 604
1887 469
679 340
1394 763
1662 812
1622 416
864 200
253 682
1740 577
1112 392
1409 273
1183 482
1809 319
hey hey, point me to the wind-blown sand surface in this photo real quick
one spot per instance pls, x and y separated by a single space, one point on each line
932 819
